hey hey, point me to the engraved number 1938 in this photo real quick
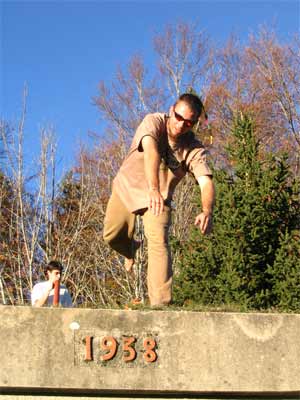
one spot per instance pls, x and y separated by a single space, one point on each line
109 346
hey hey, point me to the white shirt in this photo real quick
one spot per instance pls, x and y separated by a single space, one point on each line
40 288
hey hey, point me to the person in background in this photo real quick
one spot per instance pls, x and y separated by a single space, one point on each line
164 149
43 292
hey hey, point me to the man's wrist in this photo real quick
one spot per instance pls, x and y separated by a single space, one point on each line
207 211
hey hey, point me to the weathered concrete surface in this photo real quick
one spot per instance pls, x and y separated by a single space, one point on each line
54 397
202 353
180 396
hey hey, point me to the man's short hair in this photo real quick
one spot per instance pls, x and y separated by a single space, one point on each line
193 101
54 265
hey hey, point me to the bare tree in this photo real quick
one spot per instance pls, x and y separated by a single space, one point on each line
27 214
260 78
184 58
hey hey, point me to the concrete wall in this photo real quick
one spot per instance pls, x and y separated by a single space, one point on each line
49 351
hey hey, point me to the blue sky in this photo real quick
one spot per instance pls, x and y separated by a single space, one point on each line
62 49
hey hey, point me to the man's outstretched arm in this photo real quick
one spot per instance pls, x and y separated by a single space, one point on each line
204 219
151 165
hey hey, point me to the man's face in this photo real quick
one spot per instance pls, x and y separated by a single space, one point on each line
53 275
182 119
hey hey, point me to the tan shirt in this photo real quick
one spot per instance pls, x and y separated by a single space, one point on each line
189 156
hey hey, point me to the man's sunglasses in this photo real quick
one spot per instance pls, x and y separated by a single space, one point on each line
187 122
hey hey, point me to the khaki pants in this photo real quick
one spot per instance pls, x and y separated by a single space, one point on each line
118 233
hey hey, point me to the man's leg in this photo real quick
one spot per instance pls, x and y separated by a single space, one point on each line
119 228
159 257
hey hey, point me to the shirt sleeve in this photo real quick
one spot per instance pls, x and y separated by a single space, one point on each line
196 161
150 126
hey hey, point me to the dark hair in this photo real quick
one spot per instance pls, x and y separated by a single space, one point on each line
193 101
52 265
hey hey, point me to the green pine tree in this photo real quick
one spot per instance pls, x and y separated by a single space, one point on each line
257 205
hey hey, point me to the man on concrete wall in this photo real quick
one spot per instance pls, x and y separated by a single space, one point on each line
43 292
163 150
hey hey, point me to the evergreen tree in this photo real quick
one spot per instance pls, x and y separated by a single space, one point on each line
285 273
256 215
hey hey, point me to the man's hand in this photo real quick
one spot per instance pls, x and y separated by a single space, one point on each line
204 219
151 163
156 201
53 278
43 299
204 222
50 285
